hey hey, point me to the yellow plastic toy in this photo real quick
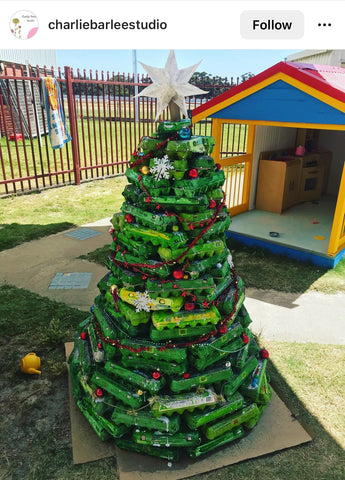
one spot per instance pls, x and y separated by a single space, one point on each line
30 364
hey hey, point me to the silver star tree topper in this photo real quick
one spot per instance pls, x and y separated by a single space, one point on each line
170 86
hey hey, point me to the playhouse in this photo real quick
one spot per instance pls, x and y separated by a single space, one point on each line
286 190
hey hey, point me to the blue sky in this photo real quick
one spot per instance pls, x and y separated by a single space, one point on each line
225 63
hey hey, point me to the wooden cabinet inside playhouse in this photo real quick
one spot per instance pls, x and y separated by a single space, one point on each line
278 185
285 179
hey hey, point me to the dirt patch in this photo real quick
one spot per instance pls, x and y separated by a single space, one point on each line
35 416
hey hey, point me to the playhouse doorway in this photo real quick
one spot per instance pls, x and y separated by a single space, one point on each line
310 226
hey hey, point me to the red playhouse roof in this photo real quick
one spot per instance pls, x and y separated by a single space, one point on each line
327 80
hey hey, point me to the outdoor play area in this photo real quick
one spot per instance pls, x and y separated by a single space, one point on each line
175 308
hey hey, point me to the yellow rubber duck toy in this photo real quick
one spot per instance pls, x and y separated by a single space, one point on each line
30 364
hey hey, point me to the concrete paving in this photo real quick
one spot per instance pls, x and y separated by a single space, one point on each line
33 265
310 317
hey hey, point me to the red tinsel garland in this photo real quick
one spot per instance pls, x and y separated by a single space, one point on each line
171 262
134 266
198 340
150 154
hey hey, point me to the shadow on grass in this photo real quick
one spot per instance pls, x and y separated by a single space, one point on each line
321 459
14 234
261 269
263 272
275 270
100 255
36 436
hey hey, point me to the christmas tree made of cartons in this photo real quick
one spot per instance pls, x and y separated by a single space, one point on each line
166 363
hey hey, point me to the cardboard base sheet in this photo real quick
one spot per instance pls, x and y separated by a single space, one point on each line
276 430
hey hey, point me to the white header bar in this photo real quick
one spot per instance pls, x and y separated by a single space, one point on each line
169 24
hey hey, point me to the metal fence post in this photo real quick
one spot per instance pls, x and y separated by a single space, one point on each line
73 124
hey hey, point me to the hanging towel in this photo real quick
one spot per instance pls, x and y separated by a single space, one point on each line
58 133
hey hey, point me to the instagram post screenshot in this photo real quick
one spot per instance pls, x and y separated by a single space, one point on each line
172 240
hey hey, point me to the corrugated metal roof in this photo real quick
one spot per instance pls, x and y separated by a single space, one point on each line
33 57
334 76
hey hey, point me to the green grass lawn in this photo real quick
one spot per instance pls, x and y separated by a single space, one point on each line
261 269
25 218
35 425
100 141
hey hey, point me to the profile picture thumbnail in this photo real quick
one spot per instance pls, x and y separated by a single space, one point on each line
24 24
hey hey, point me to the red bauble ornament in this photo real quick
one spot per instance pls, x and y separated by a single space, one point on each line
264 353
218 166
129 218
83 335
223 329
245 338
99 345
99 392
156 375
186 375
178 274
193 173
189 306
212 204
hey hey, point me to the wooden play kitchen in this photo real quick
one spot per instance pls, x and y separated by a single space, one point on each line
285 179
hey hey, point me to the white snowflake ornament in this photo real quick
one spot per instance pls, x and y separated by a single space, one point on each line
142 302
161 167
230 261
